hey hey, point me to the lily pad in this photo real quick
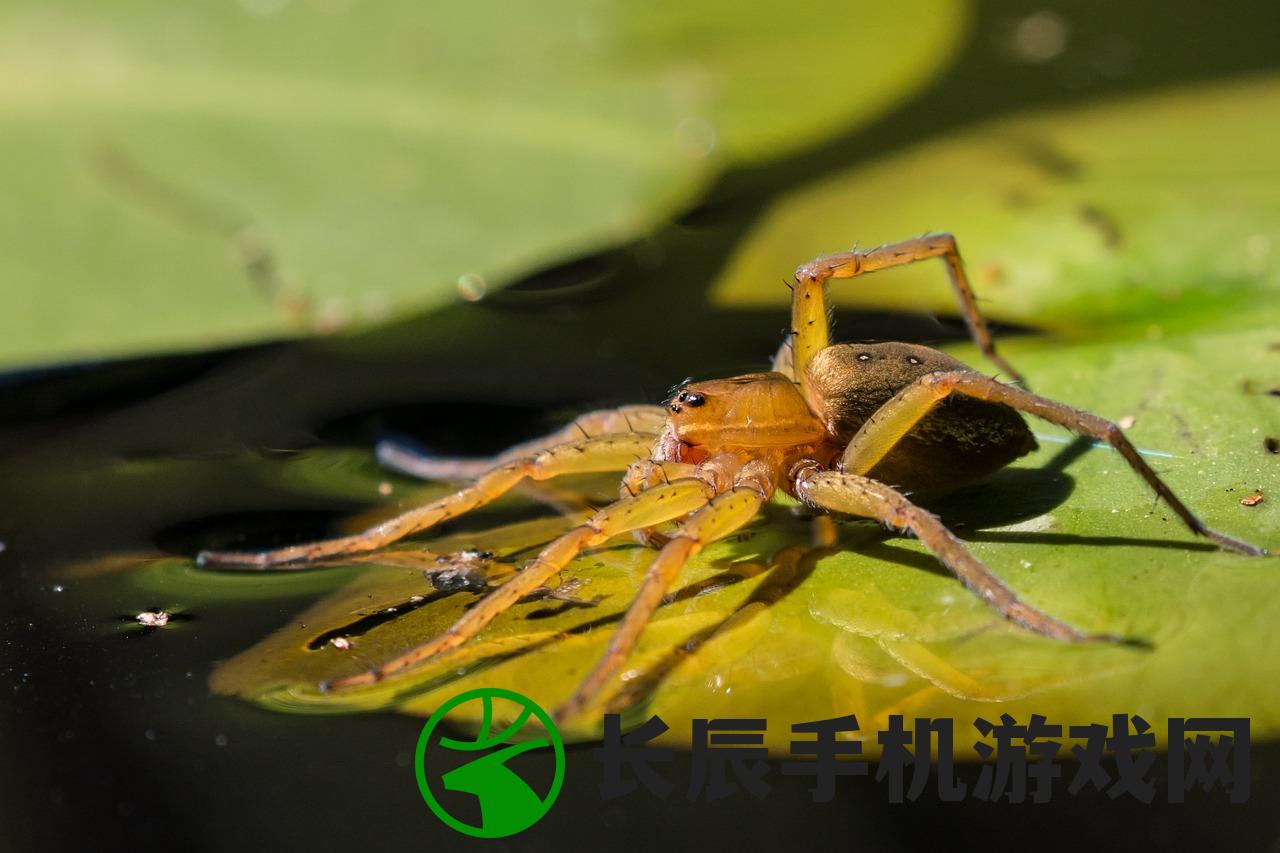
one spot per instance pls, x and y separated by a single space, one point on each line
195 175
761 625
1073 221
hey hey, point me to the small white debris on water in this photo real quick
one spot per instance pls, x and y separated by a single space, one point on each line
1026 564
341 643
946 599
57 587
1126 422
414 599
472 287
153 618
384 488
220 740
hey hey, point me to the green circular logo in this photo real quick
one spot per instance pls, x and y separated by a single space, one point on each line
508 803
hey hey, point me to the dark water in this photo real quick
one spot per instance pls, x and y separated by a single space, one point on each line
110 734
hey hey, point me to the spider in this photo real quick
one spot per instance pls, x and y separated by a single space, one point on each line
848 429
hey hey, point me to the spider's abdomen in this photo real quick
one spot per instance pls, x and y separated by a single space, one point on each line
958 441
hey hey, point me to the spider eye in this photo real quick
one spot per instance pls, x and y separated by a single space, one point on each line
694 400
864 356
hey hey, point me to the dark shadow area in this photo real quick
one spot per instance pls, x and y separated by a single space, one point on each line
250 531
446 428
111 750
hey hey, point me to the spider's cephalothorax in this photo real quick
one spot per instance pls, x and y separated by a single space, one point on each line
849 429
758 416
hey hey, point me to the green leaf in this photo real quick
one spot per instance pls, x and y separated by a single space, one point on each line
1068 220
193 175
759 625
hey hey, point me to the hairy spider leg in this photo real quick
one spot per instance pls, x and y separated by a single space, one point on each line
606 453
896 418
862 496
654 506
726 513
641 420
646 473
810 324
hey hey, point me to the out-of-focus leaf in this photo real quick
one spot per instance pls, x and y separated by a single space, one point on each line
1068 220
189 175
761 626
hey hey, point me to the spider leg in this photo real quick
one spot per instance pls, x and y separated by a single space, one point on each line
722 516
396 456
607 453
646 474
896 418
809 322
857 495
653 506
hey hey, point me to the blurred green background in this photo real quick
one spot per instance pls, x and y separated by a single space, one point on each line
242 241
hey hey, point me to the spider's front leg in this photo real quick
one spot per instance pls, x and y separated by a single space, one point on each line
607 453
650 507
895 419
809 320
646 474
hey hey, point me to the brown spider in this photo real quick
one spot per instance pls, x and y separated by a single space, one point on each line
832 425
